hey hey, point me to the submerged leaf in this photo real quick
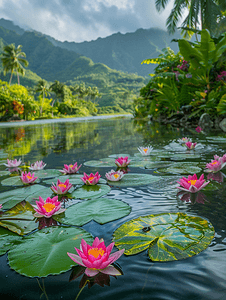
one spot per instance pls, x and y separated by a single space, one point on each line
7 240
172 236
91 191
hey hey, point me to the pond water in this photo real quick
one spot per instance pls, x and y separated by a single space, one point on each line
202 276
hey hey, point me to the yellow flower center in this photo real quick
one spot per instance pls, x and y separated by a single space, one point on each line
96 252
192 182
62 185
91 178
29 177
116 175
70 166
214 163
145 150
48 207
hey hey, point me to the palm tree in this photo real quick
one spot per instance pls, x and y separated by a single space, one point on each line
13 60
203 13
42 88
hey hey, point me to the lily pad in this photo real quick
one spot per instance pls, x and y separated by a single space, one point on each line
182 168
101 210
15 181
133 179
118 155
13 197
158 164
19 219
44 192
167 236
4 173
216 139
104 162
3 154
7 240
48 173
48 257
183 156
73 179
91 191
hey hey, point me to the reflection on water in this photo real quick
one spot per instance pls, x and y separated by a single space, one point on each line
199 277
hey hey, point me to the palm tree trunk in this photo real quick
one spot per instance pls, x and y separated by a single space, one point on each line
18 79
11 78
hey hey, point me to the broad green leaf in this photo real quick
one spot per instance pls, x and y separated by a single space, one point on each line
15 181
7 240
182 168
48 173
44 192
19 219
4 173
104 162
157 164
3 154
91 191
134 179
167 236
216 139
183 156
45 252
101 210
13 197
118 155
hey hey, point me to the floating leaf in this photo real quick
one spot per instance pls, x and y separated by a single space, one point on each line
101 210
183 156
216 139
3 154
19 219
118 155
105 162
182 168
45 252
157 164
48 173
167 236
135 180
44 192
73 179
15 181
91 191
4 173
7 240
13 197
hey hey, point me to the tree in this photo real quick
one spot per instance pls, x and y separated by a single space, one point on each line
13 60
42 88
208 14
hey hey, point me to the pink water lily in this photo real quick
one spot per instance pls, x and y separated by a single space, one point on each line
192 184
0 206
145 150
61 187
183 140
48 207
27 178
215 165
70 169
13 163
96 258
222 158
198 129
122 162
190 145
114 175
91 179
38 165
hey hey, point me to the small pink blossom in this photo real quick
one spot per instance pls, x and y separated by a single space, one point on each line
0 206
215 165
27 178
184 140
114 175
222 158
96 258
91 179
70 169
192 184
190 145
122 162
62 187
48 207
13 163
198 129
38 165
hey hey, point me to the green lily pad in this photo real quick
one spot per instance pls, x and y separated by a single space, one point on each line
183 156
7 240
133 179
73 179
4 173
44 192
167 236
19 219
13 197
216 139
182 168
118 155
3 154
48 257
104 162
91 191
15 181
101 210
158 164
48 173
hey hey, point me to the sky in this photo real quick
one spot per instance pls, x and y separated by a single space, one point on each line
83 20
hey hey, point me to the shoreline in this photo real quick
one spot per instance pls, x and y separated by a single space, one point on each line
61 120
